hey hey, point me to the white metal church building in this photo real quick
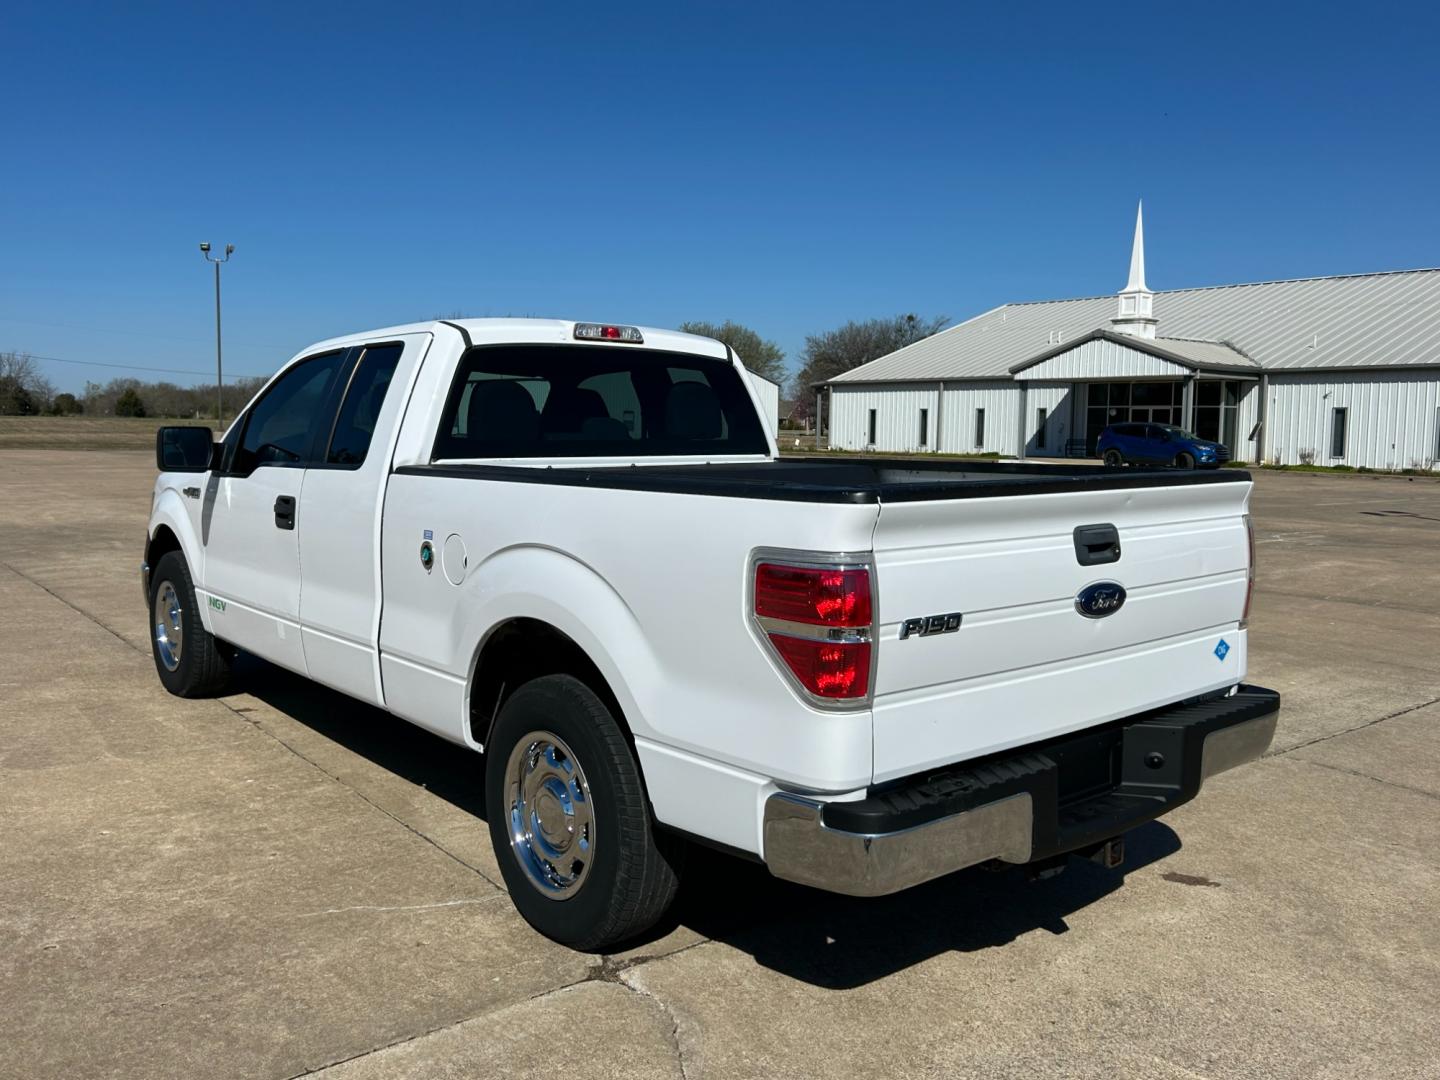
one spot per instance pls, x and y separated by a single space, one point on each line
1337 370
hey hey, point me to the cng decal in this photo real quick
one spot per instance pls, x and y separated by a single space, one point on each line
216 604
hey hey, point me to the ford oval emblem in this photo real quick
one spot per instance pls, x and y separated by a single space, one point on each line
1101 599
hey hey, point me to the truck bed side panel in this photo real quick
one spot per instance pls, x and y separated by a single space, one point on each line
650 584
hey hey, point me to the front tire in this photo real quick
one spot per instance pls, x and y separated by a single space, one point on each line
569 819
188 659
1184 460
1113 459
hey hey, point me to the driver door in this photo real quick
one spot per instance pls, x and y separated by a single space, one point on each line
251 577
1156 450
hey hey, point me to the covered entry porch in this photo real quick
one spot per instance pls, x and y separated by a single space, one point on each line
1070 394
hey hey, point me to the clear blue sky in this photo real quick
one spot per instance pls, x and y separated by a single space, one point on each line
787 166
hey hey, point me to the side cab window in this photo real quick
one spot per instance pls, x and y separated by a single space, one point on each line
290 417
360 411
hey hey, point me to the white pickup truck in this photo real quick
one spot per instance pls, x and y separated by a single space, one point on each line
573 547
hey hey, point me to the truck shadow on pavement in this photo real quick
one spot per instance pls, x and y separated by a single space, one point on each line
842 942
836 942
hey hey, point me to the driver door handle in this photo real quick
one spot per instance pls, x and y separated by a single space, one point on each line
285 511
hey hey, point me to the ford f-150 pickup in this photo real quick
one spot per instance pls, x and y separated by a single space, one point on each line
574 548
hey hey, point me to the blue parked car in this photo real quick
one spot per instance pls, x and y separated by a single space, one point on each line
1159 444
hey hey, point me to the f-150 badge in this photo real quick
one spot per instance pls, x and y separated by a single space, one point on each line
930 624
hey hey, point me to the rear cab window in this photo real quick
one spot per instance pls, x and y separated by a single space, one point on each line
540 401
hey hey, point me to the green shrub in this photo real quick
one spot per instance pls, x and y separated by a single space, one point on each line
129 404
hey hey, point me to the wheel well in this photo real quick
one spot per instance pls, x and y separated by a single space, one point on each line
162 543
524 649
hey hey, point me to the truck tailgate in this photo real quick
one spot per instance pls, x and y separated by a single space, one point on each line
1024 664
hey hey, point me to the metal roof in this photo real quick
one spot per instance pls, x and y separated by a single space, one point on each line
1200 355
1360 320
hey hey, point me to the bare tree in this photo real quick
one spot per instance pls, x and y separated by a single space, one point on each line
168 399
765 358
835 351
23 389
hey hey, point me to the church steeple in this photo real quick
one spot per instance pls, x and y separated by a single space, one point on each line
1135 315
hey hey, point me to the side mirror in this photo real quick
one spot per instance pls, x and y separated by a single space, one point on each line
184 449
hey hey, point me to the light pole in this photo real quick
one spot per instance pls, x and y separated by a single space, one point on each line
219 376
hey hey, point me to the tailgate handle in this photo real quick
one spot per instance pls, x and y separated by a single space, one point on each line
1097 544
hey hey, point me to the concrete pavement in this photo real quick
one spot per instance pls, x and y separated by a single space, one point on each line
282 881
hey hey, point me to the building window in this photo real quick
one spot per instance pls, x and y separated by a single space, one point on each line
979 428
1217 405
924 427
1041 415
1337 432
871 440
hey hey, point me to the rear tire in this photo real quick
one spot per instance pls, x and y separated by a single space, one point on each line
188 659
569 820
1184 460
1113 459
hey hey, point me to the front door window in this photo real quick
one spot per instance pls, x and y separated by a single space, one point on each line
1124 402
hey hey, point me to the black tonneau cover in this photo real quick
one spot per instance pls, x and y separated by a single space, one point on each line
841 479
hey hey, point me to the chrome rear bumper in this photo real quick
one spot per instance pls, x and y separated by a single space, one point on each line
799 846
1015 809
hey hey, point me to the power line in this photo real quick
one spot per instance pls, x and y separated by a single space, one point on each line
136 367
137 333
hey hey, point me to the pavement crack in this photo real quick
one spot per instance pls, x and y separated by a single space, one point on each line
361 795
78 611
241 714
405 1039
606 970
684 1032
1358 727
438 1028
1368 776
403 907
1324 598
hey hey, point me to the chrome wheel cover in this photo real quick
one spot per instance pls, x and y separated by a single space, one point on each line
169 629
552 822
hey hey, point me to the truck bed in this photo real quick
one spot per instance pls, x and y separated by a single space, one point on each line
844 479
990 546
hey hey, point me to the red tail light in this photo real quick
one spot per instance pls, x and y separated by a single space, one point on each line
829 669
1249 571
818 621
820 596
